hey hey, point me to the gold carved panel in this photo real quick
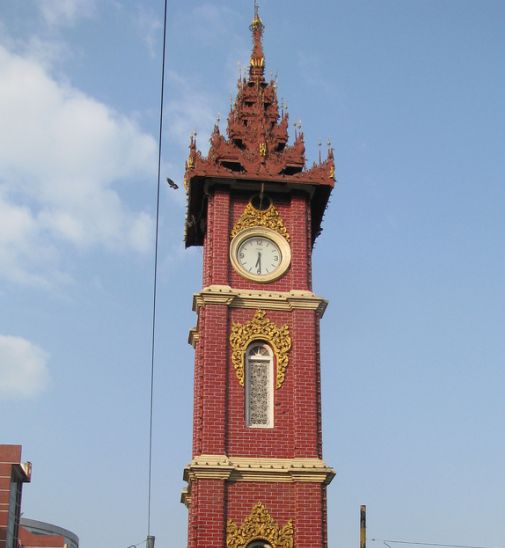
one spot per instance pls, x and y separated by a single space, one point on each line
259 525
260 328
268 218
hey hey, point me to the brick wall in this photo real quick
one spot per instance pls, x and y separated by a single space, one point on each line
223 213
216 501
219 426
12 477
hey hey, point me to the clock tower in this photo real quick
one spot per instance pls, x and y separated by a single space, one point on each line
257 476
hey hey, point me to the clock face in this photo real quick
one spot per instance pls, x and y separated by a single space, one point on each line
259 255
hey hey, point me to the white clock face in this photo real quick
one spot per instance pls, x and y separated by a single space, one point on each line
259 256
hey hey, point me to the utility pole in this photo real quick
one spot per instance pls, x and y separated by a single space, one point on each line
362 527
150 542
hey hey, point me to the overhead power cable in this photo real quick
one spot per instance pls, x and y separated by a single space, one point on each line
150 539
414 543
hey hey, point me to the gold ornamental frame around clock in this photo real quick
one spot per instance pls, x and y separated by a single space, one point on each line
261 231
269 218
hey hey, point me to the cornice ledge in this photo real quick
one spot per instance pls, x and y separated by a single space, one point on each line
186 497
208 467
193 336
259 469
264 299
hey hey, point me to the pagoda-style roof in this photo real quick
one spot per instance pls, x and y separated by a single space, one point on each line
255 149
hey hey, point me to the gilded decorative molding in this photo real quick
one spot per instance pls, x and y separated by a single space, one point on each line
259 525
259 469
252 217
260 328
193 336
186 497
258 62
266 300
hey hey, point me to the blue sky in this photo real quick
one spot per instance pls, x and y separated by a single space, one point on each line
412 257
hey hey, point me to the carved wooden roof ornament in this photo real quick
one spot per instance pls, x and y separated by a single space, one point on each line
255 146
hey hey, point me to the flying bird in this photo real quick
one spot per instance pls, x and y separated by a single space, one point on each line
171 184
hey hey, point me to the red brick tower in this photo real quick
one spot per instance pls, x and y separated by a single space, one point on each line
257 478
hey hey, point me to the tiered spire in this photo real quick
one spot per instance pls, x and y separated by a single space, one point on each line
256 146
257 143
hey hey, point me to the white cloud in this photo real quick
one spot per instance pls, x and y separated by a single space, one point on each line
47 49
150 28
189 110
62 156
47 52
65 12
210 22
23 254
140 232
23 368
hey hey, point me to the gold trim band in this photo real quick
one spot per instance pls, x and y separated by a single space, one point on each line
266 300
221 467
193 337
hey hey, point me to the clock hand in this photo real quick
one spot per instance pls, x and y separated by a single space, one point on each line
258 263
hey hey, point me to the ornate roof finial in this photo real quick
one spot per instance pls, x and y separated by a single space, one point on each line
256 9
257 66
